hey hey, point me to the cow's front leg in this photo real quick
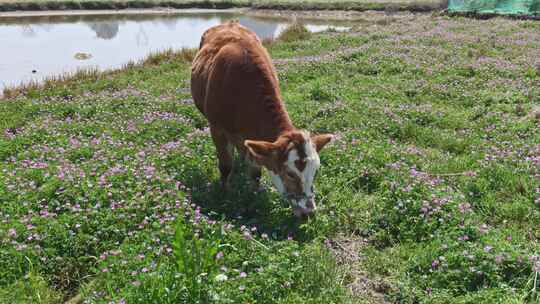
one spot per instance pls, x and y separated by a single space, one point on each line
254 172
225 156
253 169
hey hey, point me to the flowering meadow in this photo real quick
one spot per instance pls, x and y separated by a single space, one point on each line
109 187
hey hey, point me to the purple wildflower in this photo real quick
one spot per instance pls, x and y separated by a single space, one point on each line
12 232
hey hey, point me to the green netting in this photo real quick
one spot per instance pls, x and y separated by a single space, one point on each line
506 7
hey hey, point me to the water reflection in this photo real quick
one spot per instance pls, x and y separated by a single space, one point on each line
105 30
28 31
107 27
263 28
47 44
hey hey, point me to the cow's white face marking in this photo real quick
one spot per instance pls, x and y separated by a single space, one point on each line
307 175
302 198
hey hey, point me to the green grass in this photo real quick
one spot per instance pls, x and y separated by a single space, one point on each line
109 185
358 5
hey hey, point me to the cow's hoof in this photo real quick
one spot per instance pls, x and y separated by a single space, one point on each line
226 186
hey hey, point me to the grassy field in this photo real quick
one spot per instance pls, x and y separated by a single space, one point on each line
431 194
358 5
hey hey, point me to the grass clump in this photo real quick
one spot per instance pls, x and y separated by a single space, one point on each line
31 288
183 55
196 254
294 32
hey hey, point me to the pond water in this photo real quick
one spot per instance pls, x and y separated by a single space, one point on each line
35 47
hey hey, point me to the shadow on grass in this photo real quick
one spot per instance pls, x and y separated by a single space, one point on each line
242 206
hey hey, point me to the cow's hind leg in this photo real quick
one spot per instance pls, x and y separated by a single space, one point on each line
225 156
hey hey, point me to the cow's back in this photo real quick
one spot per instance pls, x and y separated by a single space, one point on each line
234 84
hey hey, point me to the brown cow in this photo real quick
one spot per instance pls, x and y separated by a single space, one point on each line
235 86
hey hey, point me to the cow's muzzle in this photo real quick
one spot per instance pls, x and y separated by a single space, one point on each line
304 206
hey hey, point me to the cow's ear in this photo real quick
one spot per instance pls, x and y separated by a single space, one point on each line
321 140
261 151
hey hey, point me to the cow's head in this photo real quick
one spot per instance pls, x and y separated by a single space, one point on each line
292 162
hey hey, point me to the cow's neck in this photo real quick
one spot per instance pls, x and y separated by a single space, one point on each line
280 121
